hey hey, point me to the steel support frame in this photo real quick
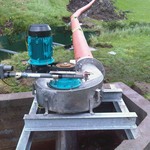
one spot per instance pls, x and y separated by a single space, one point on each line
120 120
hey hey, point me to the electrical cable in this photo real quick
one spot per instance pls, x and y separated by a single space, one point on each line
8 84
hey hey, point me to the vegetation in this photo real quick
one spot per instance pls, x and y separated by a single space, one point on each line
131 62
137 10
12 84
17 15
19 61
128 38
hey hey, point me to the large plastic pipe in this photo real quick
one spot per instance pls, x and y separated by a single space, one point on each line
81 48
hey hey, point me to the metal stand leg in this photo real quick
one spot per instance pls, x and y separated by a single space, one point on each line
25 139
66 140
120 106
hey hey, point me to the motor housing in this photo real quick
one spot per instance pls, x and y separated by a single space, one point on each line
40 45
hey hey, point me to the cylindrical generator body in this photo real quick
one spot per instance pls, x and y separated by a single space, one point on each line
40 45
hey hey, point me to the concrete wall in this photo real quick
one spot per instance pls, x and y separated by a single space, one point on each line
137 103
12 109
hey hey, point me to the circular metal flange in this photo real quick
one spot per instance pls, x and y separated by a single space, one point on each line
92 61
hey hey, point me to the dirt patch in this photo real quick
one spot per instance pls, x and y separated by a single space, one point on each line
142 88
8 25
104 45
101 10
4 88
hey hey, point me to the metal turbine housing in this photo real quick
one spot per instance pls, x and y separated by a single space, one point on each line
81 99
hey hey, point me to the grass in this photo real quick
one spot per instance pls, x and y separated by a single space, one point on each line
18 60
22 13
15 85
147 96
128 38
131 62
138 10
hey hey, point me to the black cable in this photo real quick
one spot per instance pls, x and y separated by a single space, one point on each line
8 84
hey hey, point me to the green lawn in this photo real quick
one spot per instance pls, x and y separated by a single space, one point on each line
129 38
132 60
139 10
22 13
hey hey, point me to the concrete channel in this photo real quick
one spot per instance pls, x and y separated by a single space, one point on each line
14 106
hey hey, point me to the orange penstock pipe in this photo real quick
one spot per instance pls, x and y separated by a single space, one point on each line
81 48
